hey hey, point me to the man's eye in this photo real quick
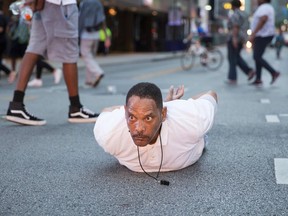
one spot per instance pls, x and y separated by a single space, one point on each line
149 118
131 118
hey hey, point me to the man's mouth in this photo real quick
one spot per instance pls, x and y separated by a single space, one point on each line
140 138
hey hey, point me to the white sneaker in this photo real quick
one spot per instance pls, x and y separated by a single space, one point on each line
57 75
35 83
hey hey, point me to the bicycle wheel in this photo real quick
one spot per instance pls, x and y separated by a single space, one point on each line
187 60
214 59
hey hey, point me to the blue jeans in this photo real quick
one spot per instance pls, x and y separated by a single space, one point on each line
235 59
259 46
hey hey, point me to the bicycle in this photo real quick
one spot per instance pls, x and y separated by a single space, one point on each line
210 56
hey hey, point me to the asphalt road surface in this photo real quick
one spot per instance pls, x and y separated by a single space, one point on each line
58 169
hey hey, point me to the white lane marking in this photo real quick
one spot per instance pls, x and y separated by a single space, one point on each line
272 119
281 170
265 101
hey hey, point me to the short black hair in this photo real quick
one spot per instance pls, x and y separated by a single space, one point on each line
236 3
146 90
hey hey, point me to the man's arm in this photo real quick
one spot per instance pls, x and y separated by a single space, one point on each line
107 42
211 93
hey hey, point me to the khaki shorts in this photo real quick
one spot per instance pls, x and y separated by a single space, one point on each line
54 33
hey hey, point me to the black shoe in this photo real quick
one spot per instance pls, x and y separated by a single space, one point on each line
81 115
257 83
251 74
97 81
18 114
274 77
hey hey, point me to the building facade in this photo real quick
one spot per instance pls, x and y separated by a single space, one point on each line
161 25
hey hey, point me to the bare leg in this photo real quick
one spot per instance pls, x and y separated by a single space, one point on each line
70 72
28 62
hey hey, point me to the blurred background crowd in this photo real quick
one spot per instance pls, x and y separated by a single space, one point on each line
161 25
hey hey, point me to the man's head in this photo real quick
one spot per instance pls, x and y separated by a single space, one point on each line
235 4
144 113
263 1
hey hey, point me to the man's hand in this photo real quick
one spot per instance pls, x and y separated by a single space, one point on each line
175 94
35 5
107 43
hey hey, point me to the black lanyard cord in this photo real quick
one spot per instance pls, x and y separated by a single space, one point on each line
163 182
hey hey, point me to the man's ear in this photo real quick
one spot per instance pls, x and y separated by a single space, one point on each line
164 114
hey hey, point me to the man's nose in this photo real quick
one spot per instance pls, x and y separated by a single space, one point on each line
140 127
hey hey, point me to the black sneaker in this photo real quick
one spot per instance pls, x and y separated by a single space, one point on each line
81 115
18 114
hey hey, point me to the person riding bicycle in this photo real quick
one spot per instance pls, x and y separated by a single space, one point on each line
199 37
199 42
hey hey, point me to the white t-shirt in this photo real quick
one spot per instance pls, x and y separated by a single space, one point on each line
63 2
182 135
268 29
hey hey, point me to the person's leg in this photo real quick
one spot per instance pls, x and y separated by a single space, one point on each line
232 59
86 46
264 63
261 62
258 51
37 45
39 67
28 62
4 68
243 65
11 74
37 82
70 72
46 65
63 47
16 111
93 70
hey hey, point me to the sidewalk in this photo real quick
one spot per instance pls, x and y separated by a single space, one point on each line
121 58
126 58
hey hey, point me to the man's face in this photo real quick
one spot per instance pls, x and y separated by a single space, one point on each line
261 2
144 120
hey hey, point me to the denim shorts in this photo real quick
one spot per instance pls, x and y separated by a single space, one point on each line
54 33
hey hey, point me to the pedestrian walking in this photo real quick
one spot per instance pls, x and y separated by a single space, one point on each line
19 33
147 135
3 42
40 65
91 20
238 25
263 30
54 32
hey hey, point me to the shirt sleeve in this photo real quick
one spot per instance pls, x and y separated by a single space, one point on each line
192 117
109 124
203 112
